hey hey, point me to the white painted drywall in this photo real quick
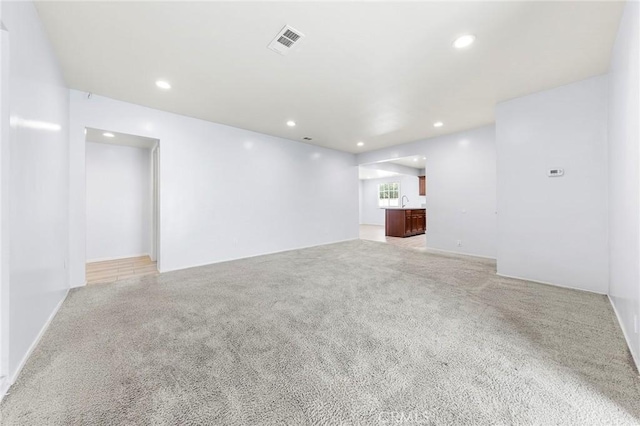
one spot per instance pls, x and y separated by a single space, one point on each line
624 175
119 203
554 229
461 188
360 191
396 168
39 179
371 214
225 193
4 208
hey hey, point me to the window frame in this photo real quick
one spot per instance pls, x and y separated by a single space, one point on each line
389 189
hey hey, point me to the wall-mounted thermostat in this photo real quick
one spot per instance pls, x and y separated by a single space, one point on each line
555 172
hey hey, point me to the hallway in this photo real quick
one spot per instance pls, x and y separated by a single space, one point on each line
111 271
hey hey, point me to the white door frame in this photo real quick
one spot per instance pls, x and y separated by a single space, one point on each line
154 226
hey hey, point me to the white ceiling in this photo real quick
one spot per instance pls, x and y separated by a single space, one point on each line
97 136
377 72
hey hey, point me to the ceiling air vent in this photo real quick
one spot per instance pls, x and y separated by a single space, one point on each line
286 40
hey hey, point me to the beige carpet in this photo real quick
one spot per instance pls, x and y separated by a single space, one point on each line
354 333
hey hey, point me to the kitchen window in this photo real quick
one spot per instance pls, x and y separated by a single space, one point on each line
389 194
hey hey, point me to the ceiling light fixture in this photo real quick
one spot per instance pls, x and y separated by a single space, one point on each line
415 159
291 123
109 135
163 84
360 144
464 41
438 124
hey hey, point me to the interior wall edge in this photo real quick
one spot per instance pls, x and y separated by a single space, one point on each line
625 333
256 255
460 253
553 284
107 259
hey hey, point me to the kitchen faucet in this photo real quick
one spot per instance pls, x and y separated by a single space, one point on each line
402 201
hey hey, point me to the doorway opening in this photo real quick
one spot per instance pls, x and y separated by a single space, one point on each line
393 201
122 187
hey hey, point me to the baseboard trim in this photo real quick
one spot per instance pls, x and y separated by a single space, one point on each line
625 334
37 340
106 259
460 253
551 284
4 386
255 255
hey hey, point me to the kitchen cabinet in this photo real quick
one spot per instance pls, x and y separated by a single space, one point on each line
422 185
405 222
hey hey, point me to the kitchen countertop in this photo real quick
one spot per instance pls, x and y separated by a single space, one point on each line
403 208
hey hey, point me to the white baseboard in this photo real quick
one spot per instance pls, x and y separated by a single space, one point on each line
4 386
548 283
625 334
254 255
106 259
460 253
37 339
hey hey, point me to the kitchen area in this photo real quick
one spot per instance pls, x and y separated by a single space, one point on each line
393 201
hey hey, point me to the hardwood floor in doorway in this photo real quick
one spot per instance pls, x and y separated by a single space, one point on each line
116 270
376 233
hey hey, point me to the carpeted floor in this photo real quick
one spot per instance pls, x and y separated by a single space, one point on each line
355 333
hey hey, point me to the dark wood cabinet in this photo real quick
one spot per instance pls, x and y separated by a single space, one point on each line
422 185
405 222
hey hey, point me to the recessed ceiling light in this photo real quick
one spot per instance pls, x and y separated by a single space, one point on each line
415 159
163 84
360 144
438 124
109 135
424 158
464 41
291 123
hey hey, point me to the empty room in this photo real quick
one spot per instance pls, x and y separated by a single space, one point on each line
319 213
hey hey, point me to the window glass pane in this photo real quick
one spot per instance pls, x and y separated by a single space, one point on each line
389 194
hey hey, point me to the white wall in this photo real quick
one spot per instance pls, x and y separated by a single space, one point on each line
461 188
225 193
4 208
396 168
371 214
38 152
554 229
624 176
360 190
119 208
